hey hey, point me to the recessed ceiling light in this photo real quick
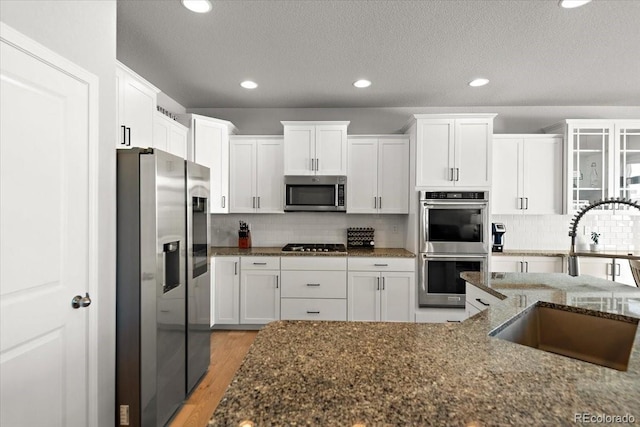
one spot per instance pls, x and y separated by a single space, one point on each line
362 84
478 82
248 84
198 6
570 4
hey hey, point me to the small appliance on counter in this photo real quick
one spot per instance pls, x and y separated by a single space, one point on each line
497 232
244 236
360 237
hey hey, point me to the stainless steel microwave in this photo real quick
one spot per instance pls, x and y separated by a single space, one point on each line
315 193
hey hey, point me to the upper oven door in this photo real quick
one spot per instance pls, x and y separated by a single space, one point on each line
454 227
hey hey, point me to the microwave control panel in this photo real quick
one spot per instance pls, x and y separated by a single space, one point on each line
340 194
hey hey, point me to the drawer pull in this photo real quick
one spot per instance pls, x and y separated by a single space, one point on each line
482 302
453 321
381 265
313 312
259 263
313 284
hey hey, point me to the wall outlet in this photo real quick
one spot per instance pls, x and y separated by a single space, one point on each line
394 229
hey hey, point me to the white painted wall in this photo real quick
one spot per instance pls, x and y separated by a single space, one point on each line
84 31
266 121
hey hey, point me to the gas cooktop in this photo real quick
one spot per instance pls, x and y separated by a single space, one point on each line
314 247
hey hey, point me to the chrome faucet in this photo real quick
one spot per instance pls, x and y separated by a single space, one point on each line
574 266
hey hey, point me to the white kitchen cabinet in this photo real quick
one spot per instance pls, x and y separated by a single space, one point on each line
259 290
208 145
136 100
315 148
603 160
169 135
527 264
256 182
225 292
314 288
614 269
477 300
441 315
374 293
378 174
453 150
527 174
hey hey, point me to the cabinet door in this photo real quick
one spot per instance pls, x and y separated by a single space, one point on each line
259 297
226 291
331 150
397 303
597 267
543 264
622 272
542 173
299 150
506 264
270 176
161 133
211 146
363 296
242 175
178 142
362 180
627 159
506 184
139 108
393 176
434 153
472 152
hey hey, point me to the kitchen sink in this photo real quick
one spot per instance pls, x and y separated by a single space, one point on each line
592 336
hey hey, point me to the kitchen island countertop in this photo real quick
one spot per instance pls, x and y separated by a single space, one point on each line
379 373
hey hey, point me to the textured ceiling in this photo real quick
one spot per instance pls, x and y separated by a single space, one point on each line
416 53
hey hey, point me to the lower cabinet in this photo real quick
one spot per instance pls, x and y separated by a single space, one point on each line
616 269
314 288
478 300
527 264
375 294
259 290
225 304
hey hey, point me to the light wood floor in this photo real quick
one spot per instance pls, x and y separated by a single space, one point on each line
228 349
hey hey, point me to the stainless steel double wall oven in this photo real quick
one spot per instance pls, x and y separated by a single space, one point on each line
454 237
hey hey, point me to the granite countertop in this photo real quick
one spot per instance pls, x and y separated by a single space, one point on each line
610 254
277 251
531 252
379 373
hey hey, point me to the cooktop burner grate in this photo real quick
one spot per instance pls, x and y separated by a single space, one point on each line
314 247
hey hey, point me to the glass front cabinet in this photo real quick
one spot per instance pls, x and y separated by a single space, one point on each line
603 160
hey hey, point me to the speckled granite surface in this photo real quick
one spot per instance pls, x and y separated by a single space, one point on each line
346 373
273 251
531 252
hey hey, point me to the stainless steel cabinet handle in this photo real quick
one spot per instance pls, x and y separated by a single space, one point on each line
311 164
379 202
375 202
526 203
453 321
313 312
450 174
378 282
526 266
313 284
383 283
259 263
253 202
519 202
277 282
258 202
482 302
616 269
124 135
224 201
609 269
317 164
457 174
380 265
235 268
129 138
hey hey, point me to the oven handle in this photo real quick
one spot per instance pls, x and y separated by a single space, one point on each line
450 257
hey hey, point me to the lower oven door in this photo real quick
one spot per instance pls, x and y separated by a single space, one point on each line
440 282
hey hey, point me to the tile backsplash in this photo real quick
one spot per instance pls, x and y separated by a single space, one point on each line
306 227
619 231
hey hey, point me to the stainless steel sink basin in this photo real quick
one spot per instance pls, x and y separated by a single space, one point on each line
592 336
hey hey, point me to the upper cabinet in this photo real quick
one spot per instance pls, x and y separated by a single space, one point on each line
169 135
136 100
453 150
378 174
315 148
256 174
527 174
208 145
603 160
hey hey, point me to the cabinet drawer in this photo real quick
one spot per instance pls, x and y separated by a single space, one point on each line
479 298
313 309
440 315
320 262
314 284
260 262
381 264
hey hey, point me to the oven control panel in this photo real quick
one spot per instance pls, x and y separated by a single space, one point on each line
453 195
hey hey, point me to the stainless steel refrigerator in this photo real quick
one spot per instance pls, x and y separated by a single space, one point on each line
198 273
151 286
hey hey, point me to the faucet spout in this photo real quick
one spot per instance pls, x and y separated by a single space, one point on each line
574 265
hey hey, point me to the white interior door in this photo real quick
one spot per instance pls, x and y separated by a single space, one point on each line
47 222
